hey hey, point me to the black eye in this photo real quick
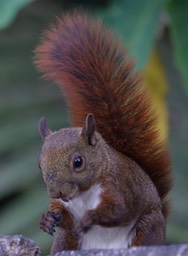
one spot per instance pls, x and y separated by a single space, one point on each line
78 162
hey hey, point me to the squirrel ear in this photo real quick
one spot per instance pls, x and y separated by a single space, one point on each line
89 129
43 128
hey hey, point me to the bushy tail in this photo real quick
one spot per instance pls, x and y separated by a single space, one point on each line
87 61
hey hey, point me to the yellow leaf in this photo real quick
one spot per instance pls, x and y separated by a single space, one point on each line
155 79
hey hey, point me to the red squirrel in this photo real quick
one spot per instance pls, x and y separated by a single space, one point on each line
109 175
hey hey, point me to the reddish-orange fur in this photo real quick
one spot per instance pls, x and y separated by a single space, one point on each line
67 224
87 61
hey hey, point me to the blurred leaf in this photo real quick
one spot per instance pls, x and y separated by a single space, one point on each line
178 10
24 169
43 239
155 79
28 132
177 233
24 98
22 216
9 9
17 216
137 22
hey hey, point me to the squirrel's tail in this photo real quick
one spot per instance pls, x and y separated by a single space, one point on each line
86 60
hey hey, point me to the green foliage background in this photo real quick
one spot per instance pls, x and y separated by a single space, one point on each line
24 98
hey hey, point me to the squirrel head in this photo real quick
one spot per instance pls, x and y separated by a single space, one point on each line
71 158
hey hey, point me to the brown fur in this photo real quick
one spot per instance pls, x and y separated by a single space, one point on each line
66 238
127 196
87 61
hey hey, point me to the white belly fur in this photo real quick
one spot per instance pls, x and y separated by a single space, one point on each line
99 237
108 238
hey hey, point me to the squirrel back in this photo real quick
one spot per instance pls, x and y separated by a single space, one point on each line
89 64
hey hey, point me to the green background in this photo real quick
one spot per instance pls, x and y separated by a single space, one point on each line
24 98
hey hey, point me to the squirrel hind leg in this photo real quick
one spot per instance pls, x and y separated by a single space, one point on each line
64 240
150 229
58 242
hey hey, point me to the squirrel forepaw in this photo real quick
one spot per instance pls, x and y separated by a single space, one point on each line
49 221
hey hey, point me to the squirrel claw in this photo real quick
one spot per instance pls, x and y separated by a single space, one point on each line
57 217
49 221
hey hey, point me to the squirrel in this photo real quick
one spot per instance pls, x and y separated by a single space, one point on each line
108 176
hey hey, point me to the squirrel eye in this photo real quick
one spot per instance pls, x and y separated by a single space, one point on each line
78 163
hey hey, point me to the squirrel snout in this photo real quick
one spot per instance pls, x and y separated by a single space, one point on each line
67 193
56 194
60 196
66 200
63 197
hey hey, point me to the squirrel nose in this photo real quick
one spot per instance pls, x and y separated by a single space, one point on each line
63 198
